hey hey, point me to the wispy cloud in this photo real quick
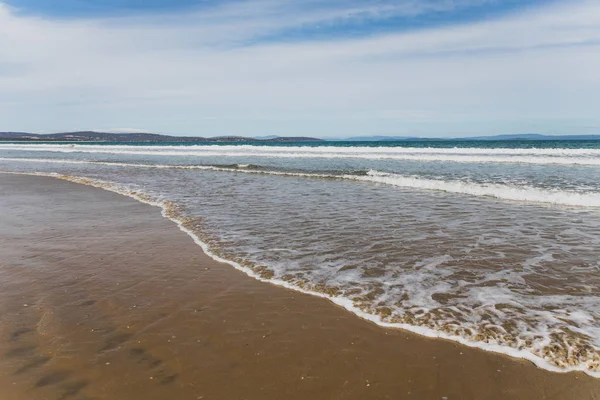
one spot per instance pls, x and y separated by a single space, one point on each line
209 71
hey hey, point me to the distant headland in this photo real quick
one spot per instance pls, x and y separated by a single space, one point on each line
92 136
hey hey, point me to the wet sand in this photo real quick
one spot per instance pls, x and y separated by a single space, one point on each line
102 298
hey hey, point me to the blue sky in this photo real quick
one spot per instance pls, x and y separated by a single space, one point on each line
366 17
334 69
94 8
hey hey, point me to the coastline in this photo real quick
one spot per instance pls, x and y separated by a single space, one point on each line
170 212
197 327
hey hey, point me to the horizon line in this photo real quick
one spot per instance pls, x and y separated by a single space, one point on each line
366 137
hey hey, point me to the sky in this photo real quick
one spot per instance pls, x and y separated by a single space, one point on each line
337 68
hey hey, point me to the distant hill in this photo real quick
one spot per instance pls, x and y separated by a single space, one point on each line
91 136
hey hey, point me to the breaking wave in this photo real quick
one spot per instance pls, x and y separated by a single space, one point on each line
510 192
589 157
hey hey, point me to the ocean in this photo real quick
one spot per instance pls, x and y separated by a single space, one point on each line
493 244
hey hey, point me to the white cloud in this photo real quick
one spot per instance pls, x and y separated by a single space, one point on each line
201 73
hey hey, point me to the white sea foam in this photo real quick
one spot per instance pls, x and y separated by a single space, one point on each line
484 292
498 191
305 149
589 157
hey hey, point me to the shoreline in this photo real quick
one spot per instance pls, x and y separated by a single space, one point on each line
527 380
168 213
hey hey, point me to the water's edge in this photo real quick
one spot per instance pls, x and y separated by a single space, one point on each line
167 211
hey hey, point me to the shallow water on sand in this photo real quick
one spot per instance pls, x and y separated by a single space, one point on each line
497 248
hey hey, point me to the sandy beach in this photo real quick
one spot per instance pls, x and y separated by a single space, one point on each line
103 298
